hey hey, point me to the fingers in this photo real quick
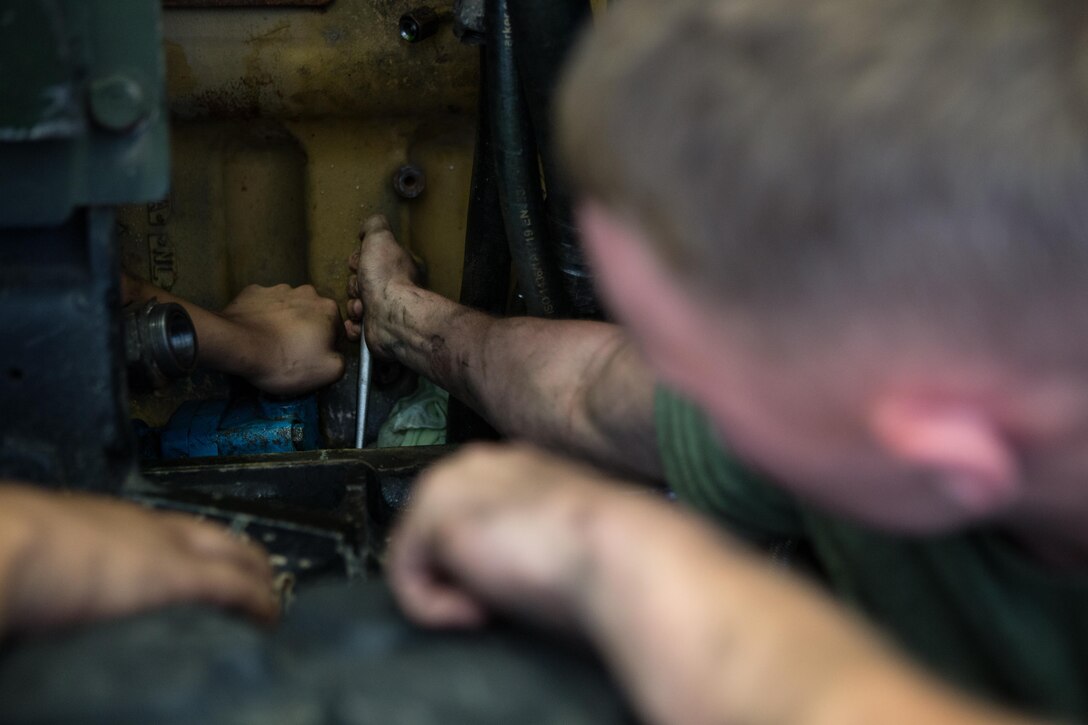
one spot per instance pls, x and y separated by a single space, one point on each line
416 583
212 540
353 287
353 260
108 558
375 229
225 570
376 223
437 605
276 291
431 586
225 584
353 325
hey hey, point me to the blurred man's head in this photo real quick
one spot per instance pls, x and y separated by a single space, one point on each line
857 232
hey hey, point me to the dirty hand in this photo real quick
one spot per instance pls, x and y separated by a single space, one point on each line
281 339
67 559
379 266
497 527
512 529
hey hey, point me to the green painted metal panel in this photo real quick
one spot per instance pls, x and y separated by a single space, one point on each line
83 118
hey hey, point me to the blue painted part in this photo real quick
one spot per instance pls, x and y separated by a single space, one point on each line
241 412
257 436
204 428
240 427
302 410
191 431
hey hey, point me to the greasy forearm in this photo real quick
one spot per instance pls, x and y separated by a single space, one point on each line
726 631
696 629
576 386
431 335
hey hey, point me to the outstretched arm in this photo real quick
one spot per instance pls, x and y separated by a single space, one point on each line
576 386
281 339
696 629
74 558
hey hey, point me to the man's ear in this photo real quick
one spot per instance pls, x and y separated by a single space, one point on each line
957 444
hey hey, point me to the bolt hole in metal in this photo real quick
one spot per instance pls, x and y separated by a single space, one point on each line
409 29
409 181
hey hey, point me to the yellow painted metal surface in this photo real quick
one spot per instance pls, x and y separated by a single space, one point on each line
288 125
344 61
287 128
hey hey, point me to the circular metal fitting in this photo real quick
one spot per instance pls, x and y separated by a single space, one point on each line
119 102
409 181
419 24
160 343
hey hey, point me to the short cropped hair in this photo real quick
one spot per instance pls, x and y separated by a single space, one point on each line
922 162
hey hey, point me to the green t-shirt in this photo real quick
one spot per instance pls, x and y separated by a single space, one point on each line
970 606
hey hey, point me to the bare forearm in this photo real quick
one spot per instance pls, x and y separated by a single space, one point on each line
724 631
576 386
697 630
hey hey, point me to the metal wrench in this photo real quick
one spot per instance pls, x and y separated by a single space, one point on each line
364 387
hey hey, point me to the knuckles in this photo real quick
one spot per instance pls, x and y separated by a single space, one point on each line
477 455
337 367
330 307
373 224
473 465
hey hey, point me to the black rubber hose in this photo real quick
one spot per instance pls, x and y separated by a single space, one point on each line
518 170
544 32
485 277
